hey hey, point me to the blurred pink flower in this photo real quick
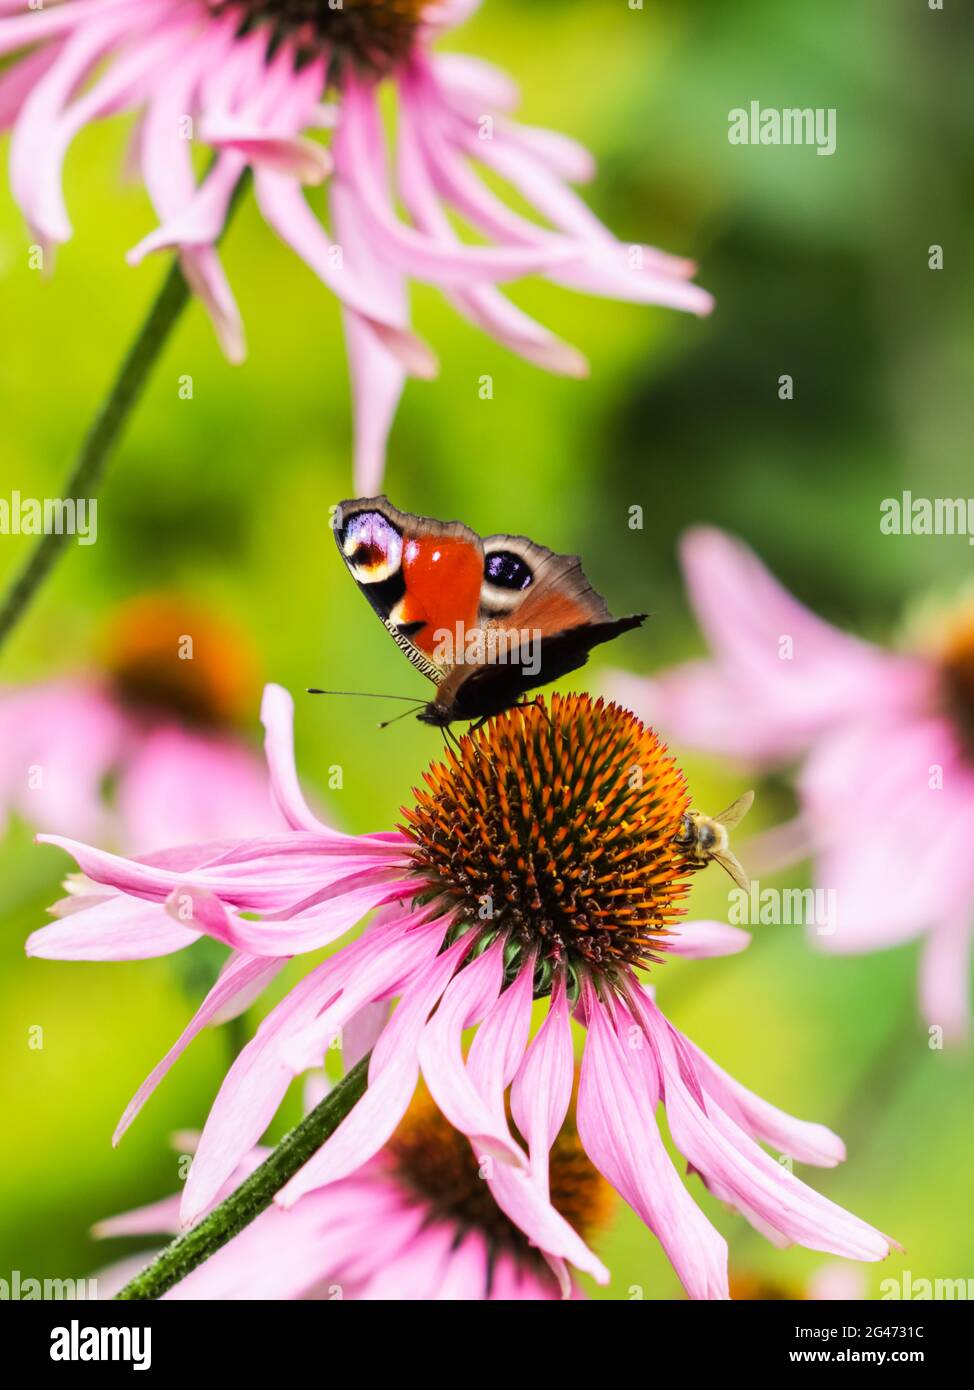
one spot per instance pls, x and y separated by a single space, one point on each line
885 743
248 79
154 728
831 1282
414 1223
533 866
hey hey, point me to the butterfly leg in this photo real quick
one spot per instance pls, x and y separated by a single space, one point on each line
538 703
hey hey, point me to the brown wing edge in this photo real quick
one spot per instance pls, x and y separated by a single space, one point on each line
403 521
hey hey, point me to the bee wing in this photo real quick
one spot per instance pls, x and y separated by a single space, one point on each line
730 863
736 811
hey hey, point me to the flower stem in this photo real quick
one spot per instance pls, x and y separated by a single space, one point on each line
101 439
254 1195
106 429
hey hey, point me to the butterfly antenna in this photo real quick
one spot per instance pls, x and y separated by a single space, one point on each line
386 722
363 695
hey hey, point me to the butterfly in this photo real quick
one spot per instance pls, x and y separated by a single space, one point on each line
486 619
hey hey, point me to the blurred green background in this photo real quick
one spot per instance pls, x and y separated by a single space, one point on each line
819 266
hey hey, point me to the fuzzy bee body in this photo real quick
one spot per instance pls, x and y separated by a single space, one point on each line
705 838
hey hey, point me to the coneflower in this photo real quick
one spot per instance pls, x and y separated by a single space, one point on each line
109 752
253 80
885 745
541 862
417 1221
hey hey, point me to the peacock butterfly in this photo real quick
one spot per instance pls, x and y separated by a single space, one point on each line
485 619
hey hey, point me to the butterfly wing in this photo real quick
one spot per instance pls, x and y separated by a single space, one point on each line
524 582
539 611
423 577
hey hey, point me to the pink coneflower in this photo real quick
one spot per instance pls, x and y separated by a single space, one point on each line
416 1222
540 863
249 79
154 725
886 748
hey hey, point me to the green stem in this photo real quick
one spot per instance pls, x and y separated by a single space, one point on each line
254 1195
101 439
104 434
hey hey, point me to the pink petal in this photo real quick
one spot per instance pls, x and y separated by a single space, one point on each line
466 1000
377 377
760 697
808 1142
542 1088
362 1031
520 1198
919 868
617 1127
284 208
111 928
179 785
292 155
241 975
157 1218
255 1085
482 304
742 1172
393 1073
945 974
356 153
702 940
353 897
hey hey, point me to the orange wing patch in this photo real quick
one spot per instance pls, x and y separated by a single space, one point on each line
551 611
443 576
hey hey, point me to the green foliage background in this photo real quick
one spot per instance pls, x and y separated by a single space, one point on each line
820 270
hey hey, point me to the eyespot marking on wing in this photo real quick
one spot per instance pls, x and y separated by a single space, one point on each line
372 547
506 570
509 571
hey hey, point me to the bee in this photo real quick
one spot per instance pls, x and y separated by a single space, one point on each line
705 838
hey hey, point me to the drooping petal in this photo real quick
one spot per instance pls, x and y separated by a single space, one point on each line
617 1127
482 304
743 1173
241 976
799 1139
466 1001
255 1085
403 246
116 927
393 1074
528 1207
377 376
542 1088
285 209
